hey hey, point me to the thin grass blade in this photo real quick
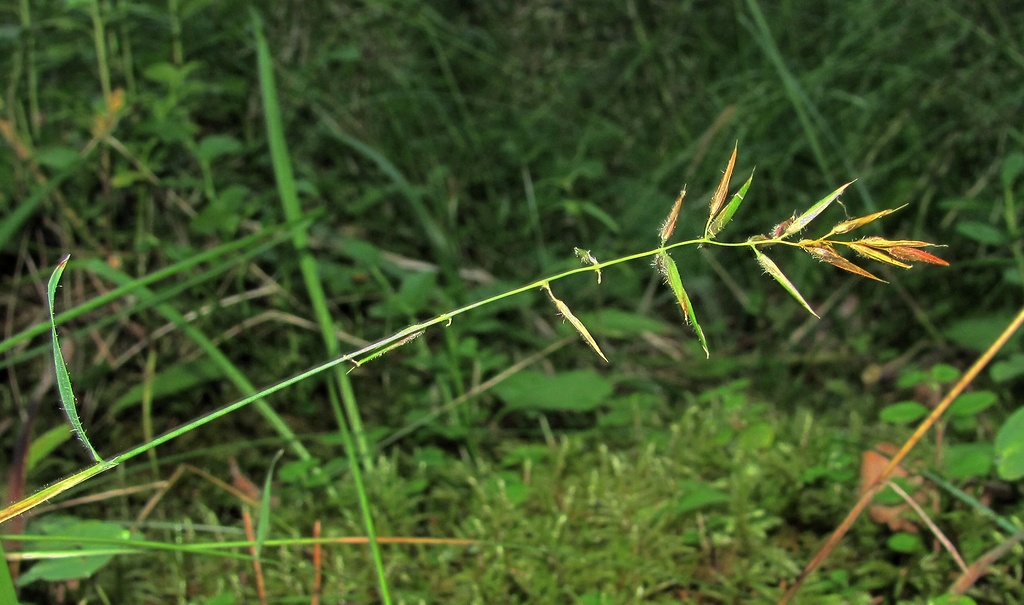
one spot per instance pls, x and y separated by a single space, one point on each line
772 269
667 266
67 395
263 521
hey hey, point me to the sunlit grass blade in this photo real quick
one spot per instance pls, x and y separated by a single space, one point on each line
830 256
727 213
812 213
67 395
667 266
772 269
564 311
718 197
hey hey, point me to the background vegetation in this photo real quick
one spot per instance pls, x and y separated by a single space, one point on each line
449 151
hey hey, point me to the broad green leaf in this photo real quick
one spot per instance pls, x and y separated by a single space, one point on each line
171 381
671 273
981 232
43 445
726 214
1009 447
812 213
1013 166
967 461
616 323
217 145
973 403
1008 369
697 495
75 536
576 391
977 333
903 412
772 269
905 543
67 395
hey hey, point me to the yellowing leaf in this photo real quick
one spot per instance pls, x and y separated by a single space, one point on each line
772 269
718 198
877 255
812 213
563 309
668 268
824 253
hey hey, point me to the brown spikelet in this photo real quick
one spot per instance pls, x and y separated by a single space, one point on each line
670 221
563 310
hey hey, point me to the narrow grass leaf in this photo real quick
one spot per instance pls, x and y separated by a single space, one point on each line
718 198
563 309
772 269
877 255
668 268
726 215
263 521
812 213
670 221
67 395
830 256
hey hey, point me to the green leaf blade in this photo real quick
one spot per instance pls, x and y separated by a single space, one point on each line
675 282
772 269
67 395
727 213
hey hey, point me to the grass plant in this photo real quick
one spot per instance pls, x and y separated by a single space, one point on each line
245 195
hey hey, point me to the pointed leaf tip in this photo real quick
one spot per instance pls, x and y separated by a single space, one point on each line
670 221
772 269
718 198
